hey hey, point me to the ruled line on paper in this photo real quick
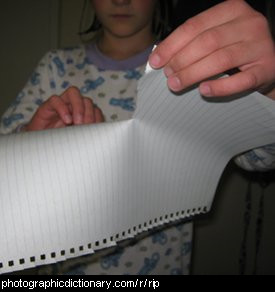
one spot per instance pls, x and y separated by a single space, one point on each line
73 191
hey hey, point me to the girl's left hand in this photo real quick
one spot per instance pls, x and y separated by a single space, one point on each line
227 36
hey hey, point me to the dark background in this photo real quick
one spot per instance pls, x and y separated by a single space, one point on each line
186 8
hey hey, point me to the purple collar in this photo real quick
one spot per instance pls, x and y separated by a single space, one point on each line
106 63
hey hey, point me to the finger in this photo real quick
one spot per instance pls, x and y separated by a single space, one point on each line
220 61
57 124
240 82
206 43
89 115
73 96
215 16
55 106
99 117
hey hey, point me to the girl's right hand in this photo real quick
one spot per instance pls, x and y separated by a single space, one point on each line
70 108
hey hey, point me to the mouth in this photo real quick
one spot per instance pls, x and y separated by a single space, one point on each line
121 16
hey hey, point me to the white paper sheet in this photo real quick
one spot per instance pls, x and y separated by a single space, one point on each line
69 192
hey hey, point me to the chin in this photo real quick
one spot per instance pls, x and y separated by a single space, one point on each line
124 33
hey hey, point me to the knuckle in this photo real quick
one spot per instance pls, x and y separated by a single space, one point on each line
239 5
190 26
88 100
226 59
54 99
257 26
89 105
211 39
175 64
245 9
260 22
187 77
251 80
220 88
73 90
242 7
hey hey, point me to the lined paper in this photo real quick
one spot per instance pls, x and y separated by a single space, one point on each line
69 192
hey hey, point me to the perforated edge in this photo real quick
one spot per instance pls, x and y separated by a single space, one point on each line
14 265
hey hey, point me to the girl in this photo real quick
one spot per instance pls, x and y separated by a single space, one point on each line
97 83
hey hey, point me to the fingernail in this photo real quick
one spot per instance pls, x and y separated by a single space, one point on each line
205 90
168 71
155 61
68 119
78 120
174 83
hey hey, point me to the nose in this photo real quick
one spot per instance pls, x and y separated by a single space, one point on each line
121 2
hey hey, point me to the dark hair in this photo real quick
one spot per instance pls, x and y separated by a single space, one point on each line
271 16
161 22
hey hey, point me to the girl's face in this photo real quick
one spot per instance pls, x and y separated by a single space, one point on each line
124 18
